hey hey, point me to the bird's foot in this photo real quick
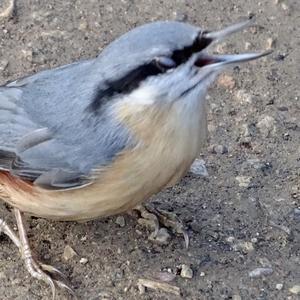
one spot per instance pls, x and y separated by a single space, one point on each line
46 273
154 217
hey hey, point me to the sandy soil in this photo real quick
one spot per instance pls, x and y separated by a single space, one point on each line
245 215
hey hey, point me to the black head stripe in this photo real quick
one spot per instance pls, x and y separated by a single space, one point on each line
124 85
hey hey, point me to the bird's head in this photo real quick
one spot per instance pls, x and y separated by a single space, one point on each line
163 63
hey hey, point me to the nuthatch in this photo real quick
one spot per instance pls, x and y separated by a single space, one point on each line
98 137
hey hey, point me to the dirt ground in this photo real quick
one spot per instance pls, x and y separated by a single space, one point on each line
243 218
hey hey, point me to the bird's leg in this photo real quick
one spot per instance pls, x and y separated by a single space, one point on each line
36 269
154 217
10 233
23 246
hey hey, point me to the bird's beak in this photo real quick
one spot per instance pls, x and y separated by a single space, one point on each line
217 36
216 61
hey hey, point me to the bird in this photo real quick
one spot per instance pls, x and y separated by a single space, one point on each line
98 137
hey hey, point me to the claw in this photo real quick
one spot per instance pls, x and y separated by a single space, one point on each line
59 283
53 270
63 285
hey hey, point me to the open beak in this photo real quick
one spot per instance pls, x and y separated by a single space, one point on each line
216 61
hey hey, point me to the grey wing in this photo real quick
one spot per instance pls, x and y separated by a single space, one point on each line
47 135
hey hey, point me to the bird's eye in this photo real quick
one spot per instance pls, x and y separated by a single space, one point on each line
164 63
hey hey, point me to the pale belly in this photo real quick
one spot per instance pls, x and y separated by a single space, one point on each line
133 177
121 188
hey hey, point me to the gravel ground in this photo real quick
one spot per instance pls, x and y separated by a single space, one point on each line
243 218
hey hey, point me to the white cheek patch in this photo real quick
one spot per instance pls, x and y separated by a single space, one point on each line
143 96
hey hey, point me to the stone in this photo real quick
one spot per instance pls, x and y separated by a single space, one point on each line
245 247
186 271
3 65
295 289
198 168
243 181
163 237
259 272
83 25
69 253
266 126
219 149
120 221
248 46
271 43
83 261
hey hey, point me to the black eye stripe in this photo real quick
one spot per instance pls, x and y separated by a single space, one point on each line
182 55
133 79
124 85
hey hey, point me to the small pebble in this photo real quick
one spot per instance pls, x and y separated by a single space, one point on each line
279 286
248 46
236 297
243 181
163 237
3 65
83 261
83 26
28 54
180 17
69 253
84 238
226 81
266 125
165 276
120 221
254 240
198 168
243 97
202 274
295 289
259 272
265 263
270 43
230 239
219 149
244 246
186 271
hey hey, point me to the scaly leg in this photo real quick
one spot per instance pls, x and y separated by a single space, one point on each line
10 233
156 216
35 268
